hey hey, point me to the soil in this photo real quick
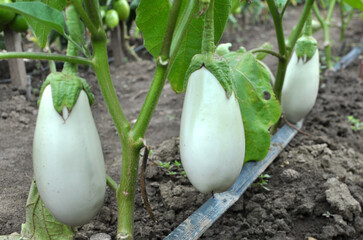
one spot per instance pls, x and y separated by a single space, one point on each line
316 184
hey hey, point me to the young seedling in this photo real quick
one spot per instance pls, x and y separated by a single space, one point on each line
356 124
263 181
173 168
327 214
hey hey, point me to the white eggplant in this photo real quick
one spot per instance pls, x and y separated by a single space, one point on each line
212 140
68 161
300 87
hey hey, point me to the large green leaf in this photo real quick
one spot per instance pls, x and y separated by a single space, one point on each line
192 41
355 4
42 16
152 19
40 224
258 104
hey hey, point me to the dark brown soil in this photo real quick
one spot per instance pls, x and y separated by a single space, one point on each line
316 184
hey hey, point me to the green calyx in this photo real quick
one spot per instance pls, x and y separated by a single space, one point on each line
305 47
65 90
223 48
217 65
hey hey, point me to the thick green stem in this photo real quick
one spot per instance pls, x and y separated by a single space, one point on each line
75 31
285 51
342 30
102 71
158 82
326 32
208 31
86 19
327 41
126 191
46 56
132 143
308 31
93 11
281 68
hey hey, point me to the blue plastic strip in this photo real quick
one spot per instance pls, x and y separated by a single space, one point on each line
347 59
196 224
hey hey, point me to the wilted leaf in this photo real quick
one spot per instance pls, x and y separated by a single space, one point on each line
40 224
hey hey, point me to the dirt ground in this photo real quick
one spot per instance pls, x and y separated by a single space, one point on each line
316 184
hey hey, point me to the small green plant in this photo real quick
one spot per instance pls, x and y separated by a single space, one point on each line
173 167
356 124
327 214
263 181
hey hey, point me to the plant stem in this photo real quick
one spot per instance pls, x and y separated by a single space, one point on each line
159 77
86 19
126 191
93 11
272 53
180 31
285 51
46 56
111 183
126 44
326 31
133 142
284 9
73 23
296 34
308 31
102 71
208 31
345 23
281 69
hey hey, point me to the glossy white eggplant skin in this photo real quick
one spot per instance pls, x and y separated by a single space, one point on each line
68 161
300 87
212 140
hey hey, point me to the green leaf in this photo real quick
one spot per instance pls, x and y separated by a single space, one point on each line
40 224
281 3
259 107
192 41
355 4
152 19
41 16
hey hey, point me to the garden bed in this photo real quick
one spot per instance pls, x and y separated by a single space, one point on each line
316 184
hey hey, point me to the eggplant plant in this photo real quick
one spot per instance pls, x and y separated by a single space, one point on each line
347 8
229 106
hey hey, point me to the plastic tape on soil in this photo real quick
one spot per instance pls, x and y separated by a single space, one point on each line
196 224
353 54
